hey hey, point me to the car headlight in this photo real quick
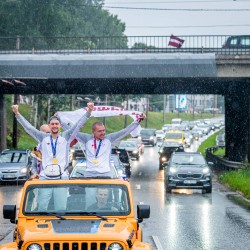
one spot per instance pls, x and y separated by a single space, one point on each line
172 170
115 246
139 137
34 247
163 158
135 151
205 170
151 138
23 170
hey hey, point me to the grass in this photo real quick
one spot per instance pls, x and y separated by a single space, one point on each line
238 180
235 180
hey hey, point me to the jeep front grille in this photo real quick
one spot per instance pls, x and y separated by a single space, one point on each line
75 246
193 176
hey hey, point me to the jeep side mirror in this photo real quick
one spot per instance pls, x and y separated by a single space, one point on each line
9 212
143 212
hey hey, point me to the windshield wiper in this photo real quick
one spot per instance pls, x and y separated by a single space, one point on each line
79 173
87 213
47 213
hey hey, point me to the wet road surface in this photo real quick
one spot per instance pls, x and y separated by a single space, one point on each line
185 219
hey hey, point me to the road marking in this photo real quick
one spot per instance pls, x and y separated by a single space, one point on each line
157 242
140 173
138 186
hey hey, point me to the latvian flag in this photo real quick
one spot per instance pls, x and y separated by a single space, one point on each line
175 41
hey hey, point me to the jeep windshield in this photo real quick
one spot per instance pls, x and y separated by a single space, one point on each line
76 200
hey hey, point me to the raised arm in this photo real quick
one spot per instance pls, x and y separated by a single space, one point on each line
71 133
124 132
31 130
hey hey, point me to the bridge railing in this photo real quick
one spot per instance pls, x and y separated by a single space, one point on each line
220 163
117 44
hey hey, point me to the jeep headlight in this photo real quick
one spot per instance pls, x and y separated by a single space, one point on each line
23 170
115 246
34 247
135 151
205 170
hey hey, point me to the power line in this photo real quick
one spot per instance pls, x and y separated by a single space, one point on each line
164 9
189 26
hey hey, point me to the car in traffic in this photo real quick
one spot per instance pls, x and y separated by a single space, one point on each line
166 150
139 143
220 139
131 147
188 170
15 165
175 136
160 134
237 42
76 151
148 137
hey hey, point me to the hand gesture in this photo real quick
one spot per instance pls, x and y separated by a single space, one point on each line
141 117
90 106
15 109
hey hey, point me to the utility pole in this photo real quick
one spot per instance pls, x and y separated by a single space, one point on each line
14 133
106 104
126 117
147 111
164 108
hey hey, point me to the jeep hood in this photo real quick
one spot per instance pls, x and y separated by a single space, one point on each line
63 229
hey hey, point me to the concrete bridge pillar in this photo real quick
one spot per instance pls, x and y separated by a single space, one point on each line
237 125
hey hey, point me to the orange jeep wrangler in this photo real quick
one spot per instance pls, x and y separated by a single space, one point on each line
79 214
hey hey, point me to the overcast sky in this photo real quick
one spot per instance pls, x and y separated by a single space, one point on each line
189 17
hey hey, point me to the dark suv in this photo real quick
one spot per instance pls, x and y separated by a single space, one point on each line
188 170
237 42
148 136
15 165
166 150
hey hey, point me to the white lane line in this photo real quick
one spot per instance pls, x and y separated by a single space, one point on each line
138 186
157 242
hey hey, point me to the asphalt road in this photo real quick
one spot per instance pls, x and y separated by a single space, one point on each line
185 219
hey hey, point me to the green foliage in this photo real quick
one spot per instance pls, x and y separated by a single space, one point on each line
49 19
237 180
208 143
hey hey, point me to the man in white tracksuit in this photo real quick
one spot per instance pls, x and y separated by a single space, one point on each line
55 154
98 147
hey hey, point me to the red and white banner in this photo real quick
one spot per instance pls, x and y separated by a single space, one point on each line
71 117
175 41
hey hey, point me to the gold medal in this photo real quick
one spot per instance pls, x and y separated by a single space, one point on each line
95 161
55 161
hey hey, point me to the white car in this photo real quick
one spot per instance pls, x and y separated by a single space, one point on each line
160 135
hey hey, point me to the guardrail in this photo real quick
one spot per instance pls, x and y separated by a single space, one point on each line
118 44
220 163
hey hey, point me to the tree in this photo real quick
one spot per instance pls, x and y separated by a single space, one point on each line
48 19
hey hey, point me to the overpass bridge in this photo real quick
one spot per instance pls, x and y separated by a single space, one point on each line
71 71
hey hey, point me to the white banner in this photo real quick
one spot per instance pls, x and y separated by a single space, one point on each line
71 117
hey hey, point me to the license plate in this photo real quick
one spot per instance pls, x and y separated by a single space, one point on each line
9 176
189 182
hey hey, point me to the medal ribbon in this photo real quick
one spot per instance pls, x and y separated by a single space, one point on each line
53 146
98 149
